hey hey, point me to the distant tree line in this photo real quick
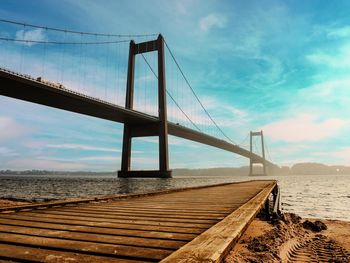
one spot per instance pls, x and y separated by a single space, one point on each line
315 168
299 168
46 172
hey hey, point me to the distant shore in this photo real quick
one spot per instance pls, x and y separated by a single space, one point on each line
295 169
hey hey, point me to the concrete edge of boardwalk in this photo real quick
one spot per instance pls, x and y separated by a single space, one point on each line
213 244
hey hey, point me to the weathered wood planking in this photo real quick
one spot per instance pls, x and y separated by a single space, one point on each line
213 244
191 225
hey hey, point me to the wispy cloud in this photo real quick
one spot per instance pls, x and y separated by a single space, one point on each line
335 30
105 158
30 35
333 90
342 32
343 155
211 21
82 147
97 158
31 163
10 129
338 58
7 152
303 127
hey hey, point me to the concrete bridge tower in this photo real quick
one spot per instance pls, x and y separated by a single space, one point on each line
254 161
160 128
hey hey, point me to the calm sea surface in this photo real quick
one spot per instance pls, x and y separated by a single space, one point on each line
315 196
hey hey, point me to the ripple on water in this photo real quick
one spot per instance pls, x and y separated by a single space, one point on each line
308 196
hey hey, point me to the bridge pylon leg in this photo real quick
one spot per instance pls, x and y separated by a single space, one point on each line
252 160
134 129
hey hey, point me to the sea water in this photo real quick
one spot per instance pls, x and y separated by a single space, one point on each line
313 196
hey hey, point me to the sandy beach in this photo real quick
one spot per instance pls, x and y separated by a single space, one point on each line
290 239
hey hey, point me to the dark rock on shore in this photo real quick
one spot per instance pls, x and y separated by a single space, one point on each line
316 226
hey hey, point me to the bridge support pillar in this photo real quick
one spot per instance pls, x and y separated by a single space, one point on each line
252 160
159 129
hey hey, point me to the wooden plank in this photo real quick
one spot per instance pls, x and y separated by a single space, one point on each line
100 230
72 221
204 207
85 247
168 209
140 203
126 221
110 218
109 210
15 253
170 217
100 238
213 244
217 208
183 203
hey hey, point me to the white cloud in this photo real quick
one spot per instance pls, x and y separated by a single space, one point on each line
339 32
143 79
331 90
9 129
6 152
303 127
149 139
343 155
212 20
332 31
30 35
82 147
30 163
333 59
182 6
87 158
107 158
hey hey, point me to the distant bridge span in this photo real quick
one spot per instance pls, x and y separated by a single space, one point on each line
29 89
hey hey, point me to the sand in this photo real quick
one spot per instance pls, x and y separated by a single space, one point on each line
287 240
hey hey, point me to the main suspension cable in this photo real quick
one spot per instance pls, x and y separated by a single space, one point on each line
194 93
171 95
63 42
73 31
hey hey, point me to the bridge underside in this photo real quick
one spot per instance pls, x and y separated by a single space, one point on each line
27 89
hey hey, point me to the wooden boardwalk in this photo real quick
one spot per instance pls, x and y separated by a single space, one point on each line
191 225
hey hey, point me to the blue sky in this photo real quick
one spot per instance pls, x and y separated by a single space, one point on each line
278 66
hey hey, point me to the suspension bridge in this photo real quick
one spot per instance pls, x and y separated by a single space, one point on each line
113 77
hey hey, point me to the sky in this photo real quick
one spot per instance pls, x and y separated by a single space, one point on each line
278 66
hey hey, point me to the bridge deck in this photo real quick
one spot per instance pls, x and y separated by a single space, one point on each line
189 225
26 88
